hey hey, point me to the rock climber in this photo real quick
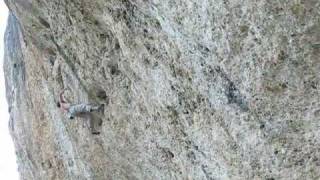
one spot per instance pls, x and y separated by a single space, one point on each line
74 110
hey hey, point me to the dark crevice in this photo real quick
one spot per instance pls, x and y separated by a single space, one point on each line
44 23
232 92
206 173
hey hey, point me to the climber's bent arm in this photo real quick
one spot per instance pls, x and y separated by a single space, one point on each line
61 98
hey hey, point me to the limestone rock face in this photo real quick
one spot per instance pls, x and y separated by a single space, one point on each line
193 89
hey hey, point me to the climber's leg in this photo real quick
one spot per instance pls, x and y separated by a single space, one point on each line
77 109
92 126
84 108
96 108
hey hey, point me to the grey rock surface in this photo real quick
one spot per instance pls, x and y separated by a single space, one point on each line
194 89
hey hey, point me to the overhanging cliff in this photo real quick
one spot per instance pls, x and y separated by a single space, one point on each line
220 89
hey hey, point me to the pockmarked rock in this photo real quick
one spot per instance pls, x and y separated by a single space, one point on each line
193 89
